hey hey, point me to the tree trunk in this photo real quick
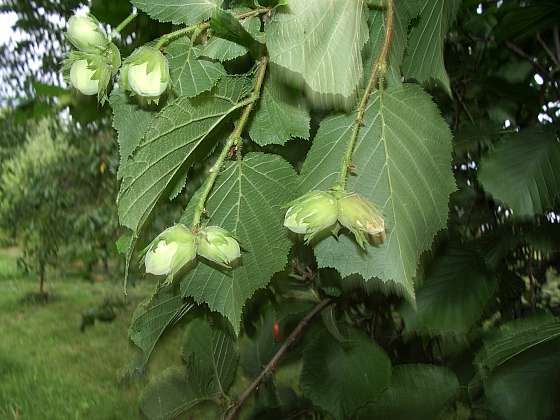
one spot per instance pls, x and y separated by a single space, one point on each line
106 261
42 279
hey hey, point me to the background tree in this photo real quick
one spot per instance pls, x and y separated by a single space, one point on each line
32 181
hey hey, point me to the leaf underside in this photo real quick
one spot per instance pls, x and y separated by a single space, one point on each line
306 38
174 140
189 12
529 186
424 55
191 76
403 165
280 115
247 200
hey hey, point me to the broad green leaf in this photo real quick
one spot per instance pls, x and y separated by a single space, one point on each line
319 43
228 27
423 60
224 50
189 12
522 173
454 292
403 165
520 367
343 377
419 392
516 337
152 318
247 200
281 115
523 22
171 143
190 75
130 121
211 357
169 395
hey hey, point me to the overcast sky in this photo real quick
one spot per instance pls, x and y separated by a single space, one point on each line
7 20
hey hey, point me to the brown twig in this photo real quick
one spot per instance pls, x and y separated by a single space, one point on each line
548 50
292 338
526 56
557 41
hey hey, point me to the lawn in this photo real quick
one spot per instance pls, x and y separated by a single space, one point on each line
51 370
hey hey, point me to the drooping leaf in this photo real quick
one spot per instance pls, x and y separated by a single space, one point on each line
343 377
526 21
190 75
171 143
453 294
152 318
522 172
423 60
402 164
130 121
514 338
189 12
211 357
223 50
169 395
281 115
419 392
226 26
247 200
520 367
318 43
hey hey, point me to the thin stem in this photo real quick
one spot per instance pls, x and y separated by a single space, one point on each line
379 66
526 56
233 139
292 338
124 23
167 38
548 50
556 41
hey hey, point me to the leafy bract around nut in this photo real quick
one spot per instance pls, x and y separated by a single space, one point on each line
91 73
312 213
82 78
218 245
146 73
170 251
85 33
361 217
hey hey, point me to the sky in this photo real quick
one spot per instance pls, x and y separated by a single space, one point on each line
7 21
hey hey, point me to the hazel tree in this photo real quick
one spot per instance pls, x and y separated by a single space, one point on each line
224 91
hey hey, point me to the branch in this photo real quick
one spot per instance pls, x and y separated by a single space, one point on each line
557 41
167 38
548 50
124 24
293 337
526 56
233 139
378 66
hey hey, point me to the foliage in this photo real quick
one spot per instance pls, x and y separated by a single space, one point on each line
443 114
31 199
54 188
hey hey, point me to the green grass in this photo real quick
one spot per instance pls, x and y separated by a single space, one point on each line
48 368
